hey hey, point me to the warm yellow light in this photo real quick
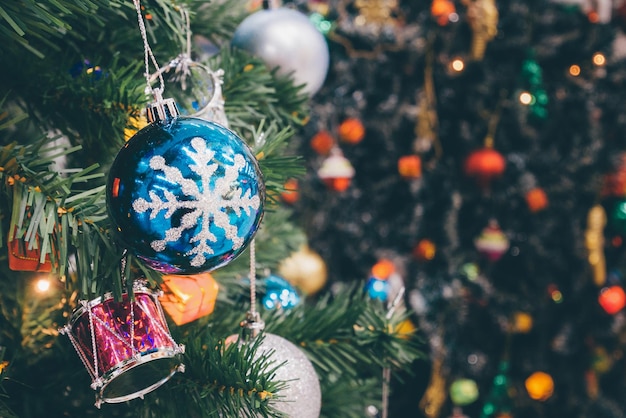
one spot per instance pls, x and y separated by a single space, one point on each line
574 70
457 65
599 59
525 98
42 285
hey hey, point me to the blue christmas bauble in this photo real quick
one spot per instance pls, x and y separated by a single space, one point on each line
377 289
185 195
287 39
279 293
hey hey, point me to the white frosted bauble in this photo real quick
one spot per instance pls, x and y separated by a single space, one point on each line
302 397
287 39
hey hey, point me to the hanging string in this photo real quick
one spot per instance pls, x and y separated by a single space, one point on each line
252 277
185 14
149 56
253 322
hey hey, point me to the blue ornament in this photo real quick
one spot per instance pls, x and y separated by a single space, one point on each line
377 289
280 294
185 195
87 68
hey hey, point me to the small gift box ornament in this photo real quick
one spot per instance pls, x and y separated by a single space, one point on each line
27 256
125 345
186 298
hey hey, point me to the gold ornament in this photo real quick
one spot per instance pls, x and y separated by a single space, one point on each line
594 242
378 12
435 395
482 16
304 269
522 322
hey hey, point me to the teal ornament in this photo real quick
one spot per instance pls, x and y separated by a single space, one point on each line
463 391
279 294
377 289
286 39
617 217
185 195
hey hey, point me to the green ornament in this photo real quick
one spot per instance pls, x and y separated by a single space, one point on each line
617 217
488 410
463 392
538 112
470 270
321 23
541 96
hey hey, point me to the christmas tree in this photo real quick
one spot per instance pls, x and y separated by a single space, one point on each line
143 157
420 215
487 165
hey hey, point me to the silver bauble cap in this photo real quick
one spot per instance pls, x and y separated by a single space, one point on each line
162 110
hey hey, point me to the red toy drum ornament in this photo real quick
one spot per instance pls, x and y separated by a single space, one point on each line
125 346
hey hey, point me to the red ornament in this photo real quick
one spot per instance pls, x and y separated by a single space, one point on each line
322 142
125 345
410 166
425 250
187 298
441 11
484 165
351 131
23 257
290 195
536 199
614 183
336 172
612 299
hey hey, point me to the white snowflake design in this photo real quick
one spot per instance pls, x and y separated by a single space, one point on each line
206 203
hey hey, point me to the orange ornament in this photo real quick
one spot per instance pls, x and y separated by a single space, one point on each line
290 195
484 165
187 298
410 166
536 199
351 131
441 11
322 142
540 386
383 269
425 250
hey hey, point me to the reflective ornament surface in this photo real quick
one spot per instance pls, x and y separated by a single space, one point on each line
185 195
279 293
305 269
302 397
125 346
287 39
196 89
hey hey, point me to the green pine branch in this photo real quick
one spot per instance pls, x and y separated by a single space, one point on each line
220 379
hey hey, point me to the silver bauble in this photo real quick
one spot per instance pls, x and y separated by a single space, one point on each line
302 397
287 39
